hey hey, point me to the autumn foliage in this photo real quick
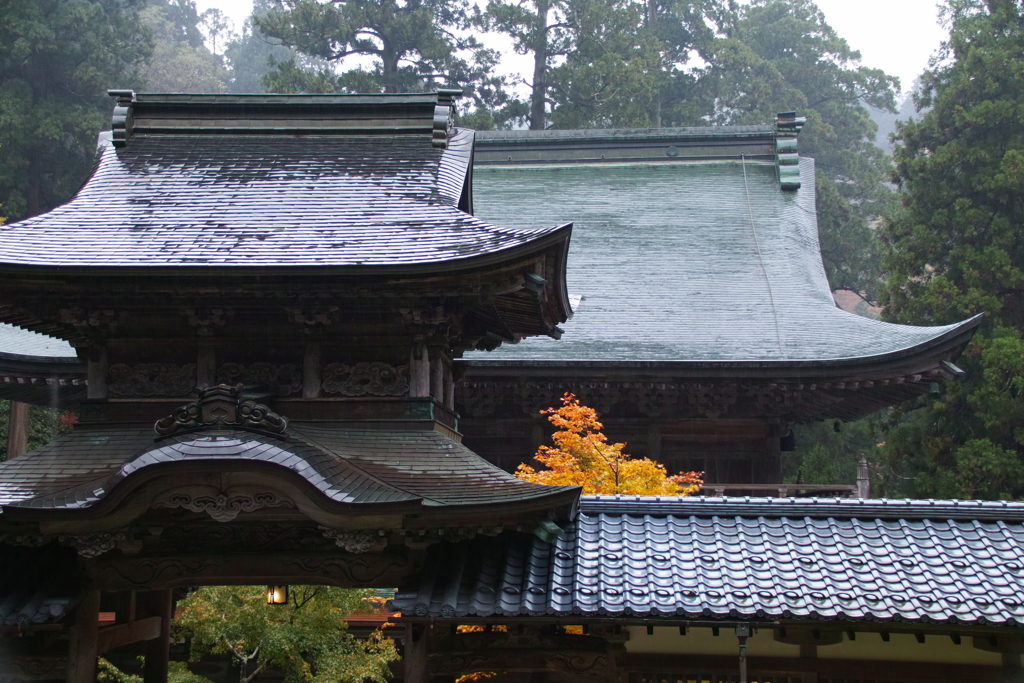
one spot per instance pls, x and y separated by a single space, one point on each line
583 457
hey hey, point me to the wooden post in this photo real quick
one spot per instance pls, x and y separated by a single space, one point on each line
158 649
206 366
96 374
124 607
311 371
449 387
863 480
17 430
437 377
415 642
419 370
654 442
82 640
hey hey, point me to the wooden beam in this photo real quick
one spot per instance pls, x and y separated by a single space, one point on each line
17 429
82 651
125 634
158 649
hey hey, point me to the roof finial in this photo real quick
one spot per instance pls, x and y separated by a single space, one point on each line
787 126
121 124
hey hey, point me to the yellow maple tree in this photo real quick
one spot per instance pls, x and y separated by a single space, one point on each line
583 457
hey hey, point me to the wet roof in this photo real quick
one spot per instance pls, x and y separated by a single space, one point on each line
19 344
912 561
685 261
266 200
358 467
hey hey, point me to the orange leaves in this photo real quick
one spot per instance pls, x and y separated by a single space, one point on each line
583 457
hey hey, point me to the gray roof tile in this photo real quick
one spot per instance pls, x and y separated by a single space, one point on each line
915 561
19 344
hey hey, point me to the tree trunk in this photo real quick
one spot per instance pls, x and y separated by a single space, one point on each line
540 68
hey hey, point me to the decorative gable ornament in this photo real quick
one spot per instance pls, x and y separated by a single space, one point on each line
221 406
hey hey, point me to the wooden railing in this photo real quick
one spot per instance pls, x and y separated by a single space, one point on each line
781 490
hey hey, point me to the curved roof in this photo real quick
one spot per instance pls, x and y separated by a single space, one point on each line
266 200
910 561
349 467
23 345
688 262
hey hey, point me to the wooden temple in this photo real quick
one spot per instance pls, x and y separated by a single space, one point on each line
279 315
704 326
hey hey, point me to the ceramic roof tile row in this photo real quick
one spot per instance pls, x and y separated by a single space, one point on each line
697 564
673 245
357 467
263 200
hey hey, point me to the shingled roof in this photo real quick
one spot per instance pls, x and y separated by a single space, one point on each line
721 558
271 180
406 471
699 261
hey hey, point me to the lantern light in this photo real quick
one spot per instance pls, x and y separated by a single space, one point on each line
277 595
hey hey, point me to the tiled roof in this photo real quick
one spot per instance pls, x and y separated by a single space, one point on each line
911 561
422 468
267 200
683 262
19 344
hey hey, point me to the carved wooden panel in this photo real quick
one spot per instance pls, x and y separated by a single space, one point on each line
366 379
281 380
150 379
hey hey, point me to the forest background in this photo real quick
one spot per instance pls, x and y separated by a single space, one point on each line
929 236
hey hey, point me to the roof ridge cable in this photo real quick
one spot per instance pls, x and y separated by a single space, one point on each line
760 256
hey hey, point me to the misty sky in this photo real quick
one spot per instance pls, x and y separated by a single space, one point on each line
898 36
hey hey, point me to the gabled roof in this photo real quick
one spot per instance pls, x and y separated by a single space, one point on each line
705 262
699 558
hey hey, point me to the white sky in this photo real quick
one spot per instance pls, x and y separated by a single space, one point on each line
898 36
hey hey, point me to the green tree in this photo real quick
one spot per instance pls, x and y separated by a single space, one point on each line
57 59
180 61
252 55
307 638
957 248
413 46
45 425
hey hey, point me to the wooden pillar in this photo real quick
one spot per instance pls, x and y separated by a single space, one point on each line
17 430
158 649
82 640
206 366
863 479
96 374
449 387
415 642
437 377
419 371
124 609
311 371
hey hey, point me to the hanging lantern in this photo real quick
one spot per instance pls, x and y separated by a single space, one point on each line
277 595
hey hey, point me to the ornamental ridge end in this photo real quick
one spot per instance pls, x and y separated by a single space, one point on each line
221 406
787 159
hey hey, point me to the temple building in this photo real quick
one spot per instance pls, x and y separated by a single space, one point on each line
704 326
279 315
